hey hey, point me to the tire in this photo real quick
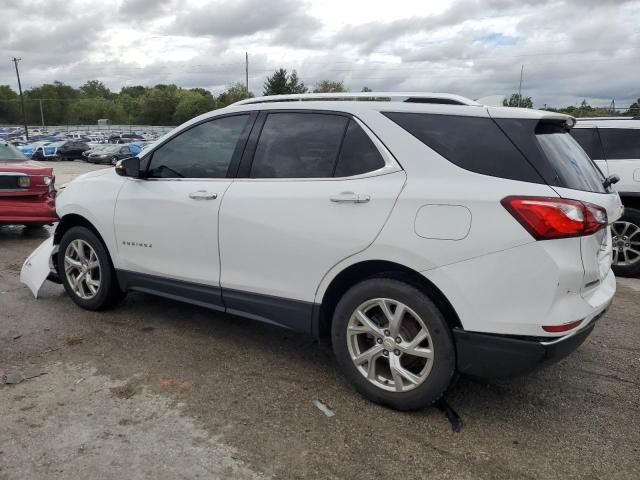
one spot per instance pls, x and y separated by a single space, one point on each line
626 235
435 374
107 294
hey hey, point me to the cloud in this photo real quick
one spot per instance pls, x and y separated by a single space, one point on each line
571 49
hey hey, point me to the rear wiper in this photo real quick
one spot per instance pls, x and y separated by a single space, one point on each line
610 180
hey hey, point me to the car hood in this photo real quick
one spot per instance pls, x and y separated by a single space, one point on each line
29 167
90 175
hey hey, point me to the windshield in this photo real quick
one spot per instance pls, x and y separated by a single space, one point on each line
572 165
9 153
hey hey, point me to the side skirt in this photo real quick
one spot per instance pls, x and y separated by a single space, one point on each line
283 312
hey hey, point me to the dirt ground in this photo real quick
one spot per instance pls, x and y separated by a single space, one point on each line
157 389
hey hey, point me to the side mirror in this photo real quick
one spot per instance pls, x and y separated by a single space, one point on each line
128 167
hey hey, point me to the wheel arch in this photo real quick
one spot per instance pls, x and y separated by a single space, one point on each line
75 220
353 274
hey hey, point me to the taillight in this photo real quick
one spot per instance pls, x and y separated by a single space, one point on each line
546 218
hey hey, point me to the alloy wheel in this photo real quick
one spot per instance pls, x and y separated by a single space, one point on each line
626 243
82 269
390 345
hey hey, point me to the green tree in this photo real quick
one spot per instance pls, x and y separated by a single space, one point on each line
281 83
158 105
296 85
366 89
57 99
329 86
233 94
9 106
90 110
191 104
634 109
516 101
94 89
135 91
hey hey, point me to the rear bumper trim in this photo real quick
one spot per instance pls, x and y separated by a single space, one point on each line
495 356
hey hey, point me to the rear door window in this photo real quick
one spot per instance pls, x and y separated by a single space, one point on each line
589 140
621 143
298 145
472 143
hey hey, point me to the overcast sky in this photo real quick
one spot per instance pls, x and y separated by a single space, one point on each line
571 49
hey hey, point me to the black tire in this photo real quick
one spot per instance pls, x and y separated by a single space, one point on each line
444 360
109 293
632 216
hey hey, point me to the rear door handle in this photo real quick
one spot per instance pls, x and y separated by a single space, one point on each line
203 195
350 197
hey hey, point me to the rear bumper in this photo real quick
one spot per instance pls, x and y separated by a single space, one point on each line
494 356
28 210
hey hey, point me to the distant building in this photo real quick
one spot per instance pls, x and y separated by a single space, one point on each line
104 121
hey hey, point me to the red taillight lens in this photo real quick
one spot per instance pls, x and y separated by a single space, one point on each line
565 327
546 218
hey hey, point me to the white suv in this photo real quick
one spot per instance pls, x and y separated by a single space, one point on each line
614 144
422 234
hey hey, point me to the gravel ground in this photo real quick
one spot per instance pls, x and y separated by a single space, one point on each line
158 389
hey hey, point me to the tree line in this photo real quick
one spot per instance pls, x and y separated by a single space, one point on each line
60 104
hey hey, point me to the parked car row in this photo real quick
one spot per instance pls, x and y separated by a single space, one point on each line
422 236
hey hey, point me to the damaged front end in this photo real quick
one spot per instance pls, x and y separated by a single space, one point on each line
39 267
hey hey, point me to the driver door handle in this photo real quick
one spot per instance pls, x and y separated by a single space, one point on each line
350 197
203 195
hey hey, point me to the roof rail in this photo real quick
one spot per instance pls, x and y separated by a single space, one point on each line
409 97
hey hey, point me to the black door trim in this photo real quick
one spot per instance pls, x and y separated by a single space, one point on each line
283 312
197 294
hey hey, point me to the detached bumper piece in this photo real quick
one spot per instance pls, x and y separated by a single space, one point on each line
497 356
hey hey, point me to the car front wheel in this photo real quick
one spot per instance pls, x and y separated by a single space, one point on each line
393 344
86 270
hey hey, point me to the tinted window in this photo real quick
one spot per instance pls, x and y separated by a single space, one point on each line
358 154
298 145
571 163
620 143
473 143
204 151
589 141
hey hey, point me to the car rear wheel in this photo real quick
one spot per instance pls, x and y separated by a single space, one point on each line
86 270
626 244
393 344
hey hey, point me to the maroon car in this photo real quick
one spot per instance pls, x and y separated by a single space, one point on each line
27 192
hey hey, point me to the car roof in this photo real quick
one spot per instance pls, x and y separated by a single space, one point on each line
411 102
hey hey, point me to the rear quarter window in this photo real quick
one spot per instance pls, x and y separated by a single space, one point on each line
473 143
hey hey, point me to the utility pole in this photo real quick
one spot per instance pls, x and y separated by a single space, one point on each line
41 113
520 87
24 114
246 70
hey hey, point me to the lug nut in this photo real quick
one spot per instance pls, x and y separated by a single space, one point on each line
385 353
387 333
397 352
398 340
379 340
